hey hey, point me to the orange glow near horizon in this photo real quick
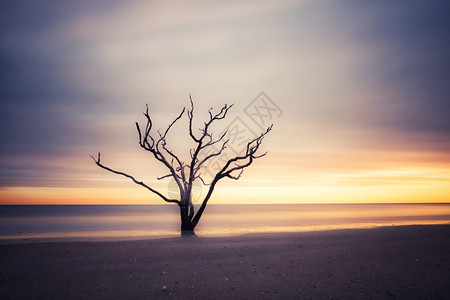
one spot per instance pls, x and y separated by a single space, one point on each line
369 187
278 178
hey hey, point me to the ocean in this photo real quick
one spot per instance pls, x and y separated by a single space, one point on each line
108 222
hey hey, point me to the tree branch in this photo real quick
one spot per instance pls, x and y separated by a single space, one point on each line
97 161
201 144
251 149
148 143
190 114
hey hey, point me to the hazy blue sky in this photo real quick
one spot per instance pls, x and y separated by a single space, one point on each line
364 87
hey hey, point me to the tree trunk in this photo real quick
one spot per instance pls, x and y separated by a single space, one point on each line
187 227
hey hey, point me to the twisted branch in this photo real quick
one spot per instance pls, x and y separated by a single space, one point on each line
97 161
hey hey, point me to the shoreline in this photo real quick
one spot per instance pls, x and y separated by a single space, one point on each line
141 235
385 262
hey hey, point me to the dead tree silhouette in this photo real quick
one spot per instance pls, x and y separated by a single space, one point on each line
185 174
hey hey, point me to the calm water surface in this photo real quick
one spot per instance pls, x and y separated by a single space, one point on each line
154 221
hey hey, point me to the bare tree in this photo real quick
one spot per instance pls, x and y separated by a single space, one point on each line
206 149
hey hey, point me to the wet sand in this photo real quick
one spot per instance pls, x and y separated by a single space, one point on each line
406 262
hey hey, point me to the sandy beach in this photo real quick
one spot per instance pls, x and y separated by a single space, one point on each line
407 262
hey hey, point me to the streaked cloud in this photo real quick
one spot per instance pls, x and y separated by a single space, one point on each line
363 85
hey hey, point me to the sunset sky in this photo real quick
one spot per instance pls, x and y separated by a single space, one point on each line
361 91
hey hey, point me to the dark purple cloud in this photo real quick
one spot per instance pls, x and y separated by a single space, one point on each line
411 45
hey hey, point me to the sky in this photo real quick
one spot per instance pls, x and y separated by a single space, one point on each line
358 93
